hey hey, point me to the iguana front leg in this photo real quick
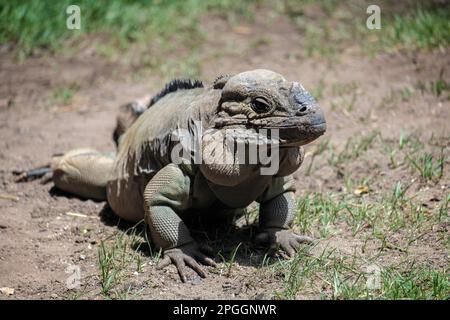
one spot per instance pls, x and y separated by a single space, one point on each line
275 218
166 194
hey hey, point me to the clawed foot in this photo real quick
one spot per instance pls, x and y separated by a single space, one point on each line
187 254
277 238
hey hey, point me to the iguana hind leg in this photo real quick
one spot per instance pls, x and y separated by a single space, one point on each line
83 172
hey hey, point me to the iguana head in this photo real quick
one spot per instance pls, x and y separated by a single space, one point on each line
263 99
259 108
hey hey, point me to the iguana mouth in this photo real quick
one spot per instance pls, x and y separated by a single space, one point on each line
291 131
278 122
297 131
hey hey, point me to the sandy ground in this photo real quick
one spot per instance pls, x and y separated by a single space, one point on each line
39 240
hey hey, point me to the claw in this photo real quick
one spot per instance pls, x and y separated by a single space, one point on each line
32 174
304 239
186 255
206 260
163 263
194 265
286 240
181 267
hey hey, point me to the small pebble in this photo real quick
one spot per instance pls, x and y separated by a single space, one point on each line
7 291
196 280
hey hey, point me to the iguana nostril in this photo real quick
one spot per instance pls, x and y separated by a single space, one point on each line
301 110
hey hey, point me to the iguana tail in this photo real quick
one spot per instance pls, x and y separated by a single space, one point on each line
32 174
82 172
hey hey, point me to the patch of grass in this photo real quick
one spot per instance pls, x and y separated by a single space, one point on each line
360 216
398 194
437 87
398 95
401 150
402 140
329 27
117 258
430 168
336 275
109 271
320 147
229 263
348 103
319 211
417 283
443 209
295 273
377 215
320 37
32 25
393 219
353 149
367 204
422 28
417 26
63 95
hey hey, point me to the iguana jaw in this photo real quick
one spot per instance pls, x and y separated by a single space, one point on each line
314 132
298 131
291 131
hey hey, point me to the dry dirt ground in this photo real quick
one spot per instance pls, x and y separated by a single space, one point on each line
377 107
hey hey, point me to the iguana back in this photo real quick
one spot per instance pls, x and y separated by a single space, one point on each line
145 147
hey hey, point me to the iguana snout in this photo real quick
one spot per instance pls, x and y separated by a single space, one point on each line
305 119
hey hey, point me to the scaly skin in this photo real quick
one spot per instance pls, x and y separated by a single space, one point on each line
146 182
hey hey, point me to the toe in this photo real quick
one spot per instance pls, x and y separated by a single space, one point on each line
289 250
195 266
206 260
163 263
303 239
181 267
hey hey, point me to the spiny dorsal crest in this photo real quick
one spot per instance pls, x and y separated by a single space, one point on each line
175 85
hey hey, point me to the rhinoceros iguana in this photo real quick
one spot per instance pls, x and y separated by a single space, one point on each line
148 179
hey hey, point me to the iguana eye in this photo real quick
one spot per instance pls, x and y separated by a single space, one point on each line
260 105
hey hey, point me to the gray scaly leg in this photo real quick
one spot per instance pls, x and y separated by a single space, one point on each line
166 194
276 215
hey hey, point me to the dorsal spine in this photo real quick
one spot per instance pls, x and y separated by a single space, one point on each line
175 85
